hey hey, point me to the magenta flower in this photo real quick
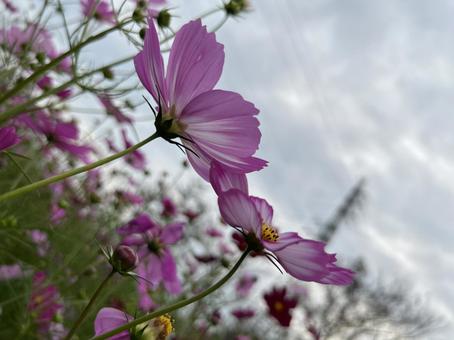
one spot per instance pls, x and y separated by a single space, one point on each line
303 259
8 138
113 110
136 159
62 135
110 318
280 305
64 94
129 197
169 208
212 124
99 9
44 303
245 284
157 264
45 83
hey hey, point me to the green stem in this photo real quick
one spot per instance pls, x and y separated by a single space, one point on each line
25 107
43 69
62 176
88 306
176 305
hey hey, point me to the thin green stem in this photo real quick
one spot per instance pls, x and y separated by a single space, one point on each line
43 69
82 169
25 107
88 306
176 305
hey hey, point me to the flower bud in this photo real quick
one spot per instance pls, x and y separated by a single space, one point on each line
235 7
163 18
124 259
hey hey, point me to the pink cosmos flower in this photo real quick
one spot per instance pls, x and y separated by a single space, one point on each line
8 138
212 124
44 302
157 264
113 110
62 135
213 232
45 83
64 94
245 284
303 259
39 238
99 9
110 318
34 39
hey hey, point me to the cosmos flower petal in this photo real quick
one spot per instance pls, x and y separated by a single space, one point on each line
223 180
238 210
305 260
338 276
169 273
150 66
172 233
222 125
154 269
284 240
134 240
110 318
195 64
264 209
8 137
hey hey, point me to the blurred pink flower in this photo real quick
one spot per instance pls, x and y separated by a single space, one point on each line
113 110
214 124
64 94
303 259
157 264
59 134
8 138
280 305
129 197
169 209
243 313
39 238
45 83
9 6
44 303
244 284
136 159
57 213
213 232
99 9
10 272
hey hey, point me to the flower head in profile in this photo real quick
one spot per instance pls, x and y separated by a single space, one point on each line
109 318
157 264
212 124
99 9
280 305
245 284
8 138
253 217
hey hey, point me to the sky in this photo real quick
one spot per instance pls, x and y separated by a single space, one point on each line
352 89
348 90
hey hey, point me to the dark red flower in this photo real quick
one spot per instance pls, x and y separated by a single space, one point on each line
280 305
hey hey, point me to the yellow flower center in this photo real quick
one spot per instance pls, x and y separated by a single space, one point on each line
278 306
269 233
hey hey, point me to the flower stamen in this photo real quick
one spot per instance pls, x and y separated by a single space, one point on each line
269 233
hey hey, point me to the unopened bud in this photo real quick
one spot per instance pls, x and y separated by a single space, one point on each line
163 18
124 259
235 7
